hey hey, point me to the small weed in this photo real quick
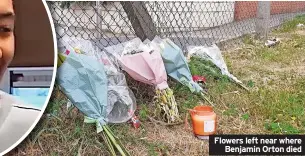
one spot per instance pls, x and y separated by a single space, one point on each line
250 83
143 113
232 111
77 131
245 116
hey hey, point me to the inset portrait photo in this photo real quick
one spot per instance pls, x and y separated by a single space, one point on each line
27 57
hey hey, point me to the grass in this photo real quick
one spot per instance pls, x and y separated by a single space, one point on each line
291 25
275 105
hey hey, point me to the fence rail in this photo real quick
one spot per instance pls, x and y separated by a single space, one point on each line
186 23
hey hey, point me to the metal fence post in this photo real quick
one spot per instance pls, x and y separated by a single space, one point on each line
140 19
98 19
263 19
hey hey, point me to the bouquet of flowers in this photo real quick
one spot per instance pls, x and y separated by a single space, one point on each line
145 64
176 65
83 79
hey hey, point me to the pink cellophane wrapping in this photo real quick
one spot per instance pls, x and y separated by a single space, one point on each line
147 68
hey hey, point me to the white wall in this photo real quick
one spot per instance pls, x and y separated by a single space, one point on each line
196 15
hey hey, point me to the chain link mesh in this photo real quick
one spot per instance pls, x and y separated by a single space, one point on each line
186 23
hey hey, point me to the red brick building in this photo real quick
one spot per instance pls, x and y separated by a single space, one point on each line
247 9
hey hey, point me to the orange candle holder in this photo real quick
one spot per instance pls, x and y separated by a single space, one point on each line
204 121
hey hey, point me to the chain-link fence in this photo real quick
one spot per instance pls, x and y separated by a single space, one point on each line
186 23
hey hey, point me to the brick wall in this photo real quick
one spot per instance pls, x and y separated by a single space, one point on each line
247 9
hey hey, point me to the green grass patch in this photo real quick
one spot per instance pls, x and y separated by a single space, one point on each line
54 106
248 39
282 107
291 25
185 98
287 52
281 128
232 111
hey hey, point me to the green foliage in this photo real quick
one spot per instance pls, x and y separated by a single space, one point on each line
205 68
143 113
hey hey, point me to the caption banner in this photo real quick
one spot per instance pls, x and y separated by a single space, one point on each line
257 144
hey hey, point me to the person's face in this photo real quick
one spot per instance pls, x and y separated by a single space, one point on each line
7 22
